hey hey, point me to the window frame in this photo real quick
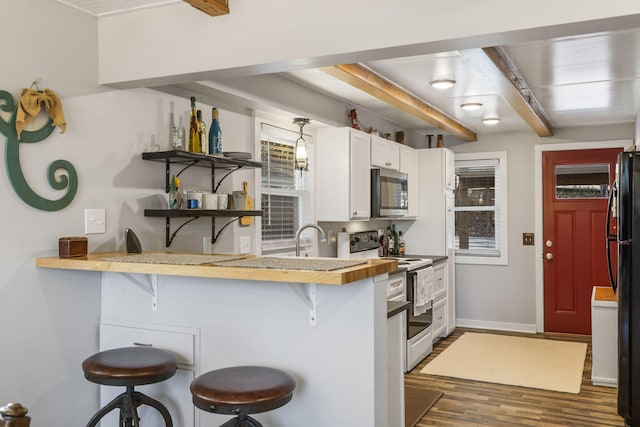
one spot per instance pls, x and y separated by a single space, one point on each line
500 209
284 135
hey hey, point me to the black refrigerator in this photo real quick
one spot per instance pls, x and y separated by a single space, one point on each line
625 199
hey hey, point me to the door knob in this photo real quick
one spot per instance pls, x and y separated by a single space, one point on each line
549 256
548 243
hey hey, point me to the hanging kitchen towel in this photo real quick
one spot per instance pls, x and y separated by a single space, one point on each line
30 104
423 290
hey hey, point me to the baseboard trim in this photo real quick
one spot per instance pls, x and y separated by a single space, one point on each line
498 326
604 382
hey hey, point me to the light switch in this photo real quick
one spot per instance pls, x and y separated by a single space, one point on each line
95 221
527 239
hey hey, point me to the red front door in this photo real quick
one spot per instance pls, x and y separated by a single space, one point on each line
575 190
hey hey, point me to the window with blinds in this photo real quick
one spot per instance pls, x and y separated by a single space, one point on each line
285 192
480 207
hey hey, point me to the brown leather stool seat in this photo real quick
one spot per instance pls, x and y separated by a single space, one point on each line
242 390
129 367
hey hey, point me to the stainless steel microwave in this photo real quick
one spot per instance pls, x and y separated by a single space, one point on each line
389 195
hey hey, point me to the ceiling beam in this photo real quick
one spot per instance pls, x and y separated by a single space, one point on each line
366 80
211 7
496 64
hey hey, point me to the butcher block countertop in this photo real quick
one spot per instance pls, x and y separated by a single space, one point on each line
328 271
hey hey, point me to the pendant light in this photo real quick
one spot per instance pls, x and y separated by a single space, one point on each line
300 150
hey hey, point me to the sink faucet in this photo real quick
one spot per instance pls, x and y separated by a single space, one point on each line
320 230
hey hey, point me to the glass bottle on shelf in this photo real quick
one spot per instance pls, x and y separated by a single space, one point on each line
182 137
194 137
174 142
215 133
202 132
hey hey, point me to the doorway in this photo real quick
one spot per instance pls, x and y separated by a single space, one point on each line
539 260
575 192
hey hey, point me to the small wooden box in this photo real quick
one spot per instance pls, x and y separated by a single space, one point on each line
69 247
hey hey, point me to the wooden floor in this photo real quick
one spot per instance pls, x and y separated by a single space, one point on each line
471 403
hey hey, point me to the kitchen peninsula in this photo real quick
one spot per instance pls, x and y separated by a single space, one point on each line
326 328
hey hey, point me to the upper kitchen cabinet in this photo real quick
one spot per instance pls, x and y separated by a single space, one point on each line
343 175
385 153
409 165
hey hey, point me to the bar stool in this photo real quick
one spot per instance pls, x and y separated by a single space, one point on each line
242 390
129 367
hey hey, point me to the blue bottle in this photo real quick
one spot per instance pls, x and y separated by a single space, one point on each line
215 133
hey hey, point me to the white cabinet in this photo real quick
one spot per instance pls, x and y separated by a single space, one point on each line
604 337
343 175
174 392
439 280
432 232
396 341
385 153
440 318
439 321
409 165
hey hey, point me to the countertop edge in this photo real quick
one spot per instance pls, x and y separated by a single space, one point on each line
343 276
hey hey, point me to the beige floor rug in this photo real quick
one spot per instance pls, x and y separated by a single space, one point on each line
527 362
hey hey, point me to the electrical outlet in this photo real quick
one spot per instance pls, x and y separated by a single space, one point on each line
245 244
95 221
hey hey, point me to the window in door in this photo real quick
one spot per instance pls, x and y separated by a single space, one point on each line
582 181
286 193
481 208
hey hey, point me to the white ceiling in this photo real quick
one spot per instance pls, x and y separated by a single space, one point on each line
582 80
108 7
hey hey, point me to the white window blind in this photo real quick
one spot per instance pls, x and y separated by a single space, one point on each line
480 208
286 192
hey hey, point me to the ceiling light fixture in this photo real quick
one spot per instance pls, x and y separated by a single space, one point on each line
300 150
491 121
442 83
471 106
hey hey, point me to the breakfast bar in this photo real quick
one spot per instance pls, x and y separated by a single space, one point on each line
324 325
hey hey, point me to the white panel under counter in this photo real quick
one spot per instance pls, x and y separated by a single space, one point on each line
604 337
261 323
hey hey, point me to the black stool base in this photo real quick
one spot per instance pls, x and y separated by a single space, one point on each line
242 421
128 402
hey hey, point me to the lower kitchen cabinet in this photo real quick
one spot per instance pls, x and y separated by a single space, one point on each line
439 325
396 340
441 300
604 337
174 392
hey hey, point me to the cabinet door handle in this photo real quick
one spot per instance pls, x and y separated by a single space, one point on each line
140 344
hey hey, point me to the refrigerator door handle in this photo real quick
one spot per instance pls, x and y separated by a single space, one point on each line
610 237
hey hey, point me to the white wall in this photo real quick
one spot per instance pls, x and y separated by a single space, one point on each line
50 317
503 297
262 37
49 320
